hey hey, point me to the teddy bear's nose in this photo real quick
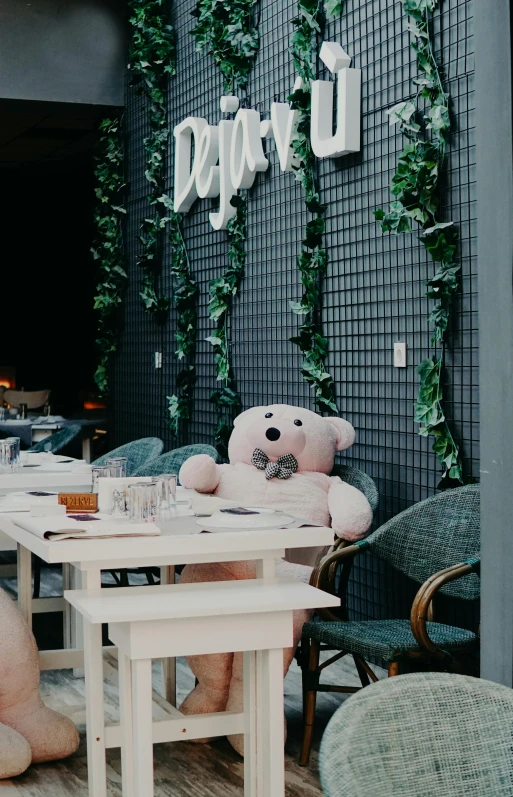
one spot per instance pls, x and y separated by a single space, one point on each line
273 434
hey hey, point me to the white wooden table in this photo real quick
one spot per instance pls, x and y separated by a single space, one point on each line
180 543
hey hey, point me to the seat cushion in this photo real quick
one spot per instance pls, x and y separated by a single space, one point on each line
385 638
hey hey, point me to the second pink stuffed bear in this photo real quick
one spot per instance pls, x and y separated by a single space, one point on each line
280 457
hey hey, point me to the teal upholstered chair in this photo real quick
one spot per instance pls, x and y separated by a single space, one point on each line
172 461
138 452
436 544
59 440
423 735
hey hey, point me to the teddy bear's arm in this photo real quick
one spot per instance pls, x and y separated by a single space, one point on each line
351 515
200 473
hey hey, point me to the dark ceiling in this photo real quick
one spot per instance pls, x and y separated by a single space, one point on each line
43 136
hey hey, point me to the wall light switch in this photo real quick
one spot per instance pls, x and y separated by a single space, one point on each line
158 359
400 355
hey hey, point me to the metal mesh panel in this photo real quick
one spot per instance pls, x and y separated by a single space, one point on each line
373 293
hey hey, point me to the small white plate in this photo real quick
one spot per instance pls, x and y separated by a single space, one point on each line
267 519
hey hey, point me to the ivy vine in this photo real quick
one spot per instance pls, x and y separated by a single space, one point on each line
229 32
108 245
185 296
313 258
152 61
226 400
426 123
226 30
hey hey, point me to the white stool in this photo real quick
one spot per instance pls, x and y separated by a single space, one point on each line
178 620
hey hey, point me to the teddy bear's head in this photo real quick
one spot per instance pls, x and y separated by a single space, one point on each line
279 429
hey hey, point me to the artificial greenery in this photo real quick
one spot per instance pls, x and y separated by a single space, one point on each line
425 121
313 258
227 31
226 400
185 298
108 245
152 61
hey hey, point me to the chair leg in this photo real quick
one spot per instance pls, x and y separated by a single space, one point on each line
393 668
310 700
364 678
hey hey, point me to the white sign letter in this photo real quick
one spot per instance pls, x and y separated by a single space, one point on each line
283 121
346 139
185 171
226 210
246 151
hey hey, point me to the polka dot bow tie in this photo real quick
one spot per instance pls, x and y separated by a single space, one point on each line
282 469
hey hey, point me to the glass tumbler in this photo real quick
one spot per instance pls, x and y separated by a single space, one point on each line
15 442
167 495
98 472
143 502
118 467
7 456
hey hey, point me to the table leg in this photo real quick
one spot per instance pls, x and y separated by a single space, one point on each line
95 722
251 779
81 579
167 576
270 716
25 583
266 569
67 613
142 727
126 722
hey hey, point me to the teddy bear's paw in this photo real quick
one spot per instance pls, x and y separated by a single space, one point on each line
199 473
15 753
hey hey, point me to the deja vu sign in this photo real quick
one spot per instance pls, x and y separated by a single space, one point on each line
228 156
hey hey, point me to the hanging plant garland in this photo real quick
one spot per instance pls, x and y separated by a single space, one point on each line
313 258
415 186
108 245
185 298
152 61
228 32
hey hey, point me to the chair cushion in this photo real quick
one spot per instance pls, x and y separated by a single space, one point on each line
385 638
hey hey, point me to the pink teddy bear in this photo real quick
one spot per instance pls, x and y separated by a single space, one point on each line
281 458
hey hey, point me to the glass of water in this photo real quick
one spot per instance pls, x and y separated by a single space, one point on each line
167 495
118 466
15 442
99 472
143 502
7 456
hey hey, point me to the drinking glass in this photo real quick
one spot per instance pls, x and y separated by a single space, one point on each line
118 466
98 472
2 413
143 502
15 441
167 495
7 456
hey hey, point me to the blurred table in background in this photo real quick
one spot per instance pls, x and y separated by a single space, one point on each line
33 430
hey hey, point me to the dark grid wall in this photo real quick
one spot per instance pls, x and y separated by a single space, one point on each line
373 293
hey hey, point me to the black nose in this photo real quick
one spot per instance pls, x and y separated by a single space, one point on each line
273 434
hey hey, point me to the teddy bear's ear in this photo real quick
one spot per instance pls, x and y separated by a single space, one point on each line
345 432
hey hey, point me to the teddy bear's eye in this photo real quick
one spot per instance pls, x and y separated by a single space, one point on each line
298 422
268 415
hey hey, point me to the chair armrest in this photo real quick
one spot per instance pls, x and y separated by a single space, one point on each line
324 575
421 607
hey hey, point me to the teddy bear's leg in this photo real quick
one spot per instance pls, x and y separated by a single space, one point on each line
15 753
213 671
235 699
50 735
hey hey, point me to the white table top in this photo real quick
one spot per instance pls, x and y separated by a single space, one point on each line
77 479
196 600
181 542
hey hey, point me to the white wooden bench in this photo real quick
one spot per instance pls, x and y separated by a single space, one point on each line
178 620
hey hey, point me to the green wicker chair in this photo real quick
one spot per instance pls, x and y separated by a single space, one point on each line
138 452
59 440
423 735
172 461
437 536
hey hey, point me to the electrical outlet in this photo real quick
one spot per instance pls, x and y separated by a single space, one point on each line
400 355
158 359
